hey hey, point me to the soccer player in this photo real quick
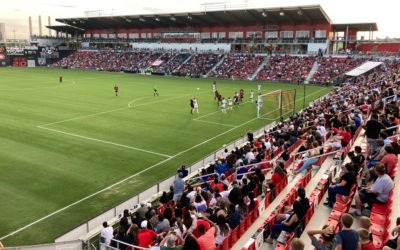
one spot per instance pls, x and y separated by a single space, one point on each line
60 79
116 89
191 105
251 96
236 98
214 86
223 105
230 103
195 105
219 99
216 94
241 95
155 89
259 89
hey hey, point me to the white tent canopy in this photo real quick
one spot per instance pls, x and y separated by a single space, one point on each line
365 67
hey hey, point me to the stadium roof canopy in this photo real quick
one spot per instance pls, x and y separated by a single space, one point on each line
298 14
363 68
342 27
66 29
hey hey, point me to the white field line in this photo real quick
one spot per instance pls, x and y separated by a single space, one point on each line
215 123
123 180
103 141
79 117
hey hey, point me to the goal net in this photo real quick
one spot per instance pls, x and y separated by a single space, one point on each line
276 104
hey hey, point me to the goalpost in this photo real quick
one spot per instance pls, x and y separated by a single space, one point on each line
276 104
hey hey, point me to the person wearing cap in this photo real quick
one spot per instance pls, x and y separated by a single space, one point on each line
142 210
145 235
206 234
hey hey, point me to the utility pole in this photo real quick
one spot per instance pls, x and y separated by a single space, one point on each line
15 41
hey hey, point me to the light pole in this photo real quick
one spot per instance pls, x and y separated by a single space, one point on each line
14 38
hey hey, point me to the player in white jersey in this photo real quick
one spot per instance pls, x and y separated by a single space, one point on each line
195 105
259 88
223 105
251 95
230 103
214 86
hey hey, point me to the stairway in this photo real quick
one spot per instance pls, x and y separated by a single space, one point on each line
260 68
312 72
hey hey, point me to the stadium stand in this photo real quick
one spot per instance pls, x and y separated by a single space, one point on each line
232 196
286 68
248 208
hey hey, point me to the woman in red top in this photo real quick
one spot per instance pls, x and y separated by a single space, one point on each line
276 177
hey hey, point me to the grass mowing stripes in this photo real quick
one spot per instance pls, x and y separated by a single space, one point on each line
60 143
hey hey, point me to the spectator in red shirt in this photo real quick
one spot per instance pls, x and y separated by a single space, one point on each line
276 177
389 159
207 236
366 243
146 236
204 224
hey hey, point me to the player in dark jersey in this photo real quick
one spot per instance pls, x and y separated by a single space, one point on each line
116 89
241 95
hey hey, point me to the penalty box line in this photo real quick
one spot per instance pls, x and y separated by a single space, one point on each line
103 141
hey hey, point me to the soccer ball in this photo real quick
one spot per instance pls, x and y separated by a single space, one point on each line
198 88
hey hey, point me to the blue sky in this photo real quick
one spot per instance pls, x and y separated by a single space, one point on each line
15 13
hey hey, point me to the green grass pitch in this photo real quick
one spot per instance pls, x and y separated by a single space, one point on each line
61 142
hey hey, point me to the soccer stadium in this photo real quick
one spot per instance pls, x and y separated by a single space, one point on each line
241 128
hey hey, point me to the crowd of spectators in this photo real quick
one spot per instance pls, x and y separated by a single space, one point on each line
170 62
330 68
237 66
287 68
198 65
206 208
109 60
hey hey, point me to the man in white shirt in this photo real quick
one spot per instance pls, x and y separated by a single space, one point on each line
321 129
107 233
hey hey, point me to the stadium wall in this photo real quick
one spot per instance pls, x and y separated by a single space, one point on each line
70 245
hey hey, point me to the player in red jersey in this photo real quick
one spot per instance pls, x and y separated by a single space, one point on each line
116 89
60 79
241 95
